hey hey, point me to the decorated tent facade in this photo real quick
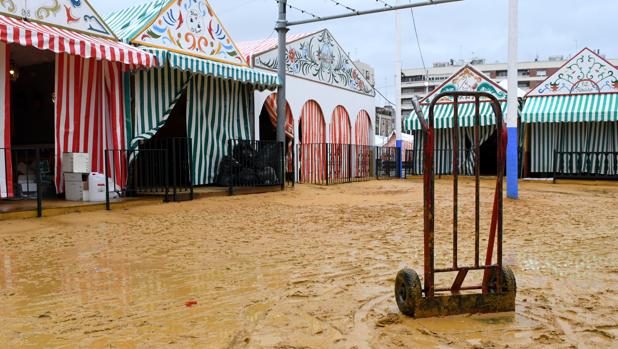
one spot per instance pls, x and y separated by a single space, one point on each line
200 63
572 119
465 79
61 71
331 101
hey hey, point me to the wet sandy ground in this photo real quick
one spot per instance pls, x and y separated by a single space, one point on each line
309 268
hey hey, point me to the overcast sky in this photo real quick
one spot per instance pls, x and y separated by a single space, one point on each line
470 28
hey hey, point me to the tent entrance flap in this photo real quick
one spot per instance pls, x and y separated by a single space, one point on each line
156 93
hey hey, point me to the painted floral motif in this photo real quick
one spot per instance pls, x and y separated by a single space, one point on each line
584 74
318 57
191 26
467 79
73 14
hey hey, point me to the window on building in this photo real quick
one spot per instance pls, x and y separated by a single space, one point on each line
541 73
413 78
502 73
523 72
523 84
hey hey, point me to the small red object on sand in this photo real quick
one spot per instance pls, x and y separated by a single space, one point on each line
189 304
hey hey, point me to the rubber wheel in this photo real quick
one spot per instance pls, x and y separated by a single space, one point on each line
407 291
508 281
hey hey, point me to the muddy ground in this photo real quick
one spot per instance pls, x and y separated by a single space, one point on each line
309 268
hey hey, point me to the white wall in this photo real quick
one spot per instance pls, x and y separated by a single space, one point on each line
299 91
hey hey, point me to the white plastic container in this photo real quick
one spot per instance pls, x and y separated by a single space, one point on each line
96 187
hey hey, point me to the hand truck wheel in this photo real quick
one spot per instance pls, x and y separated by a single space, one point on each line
407 291
509 284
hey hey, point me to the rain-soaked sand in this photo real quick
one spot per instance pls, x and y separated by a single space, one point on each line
309 268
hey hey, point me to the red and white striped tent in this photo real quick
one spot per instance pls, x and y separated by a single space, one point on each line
89 65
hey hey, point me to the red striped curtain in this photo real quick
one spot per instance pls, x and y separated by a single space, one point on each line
313 149
271 108
90 114
340 139
340 131
6 167
363 128
361 139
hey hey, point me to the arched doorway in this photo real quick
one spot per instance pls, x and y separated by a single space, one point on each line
268 128
340 151
312 131
363 128
363 153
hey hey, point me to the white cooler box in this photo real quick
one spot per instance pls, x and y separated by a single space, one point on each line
74 186
75 163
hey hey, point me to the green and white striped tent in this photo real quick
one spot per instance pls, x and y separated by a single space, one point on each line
573 114
197 58
465 79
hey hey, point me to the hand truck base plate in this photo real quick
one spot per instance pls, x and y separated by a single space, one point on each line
448 305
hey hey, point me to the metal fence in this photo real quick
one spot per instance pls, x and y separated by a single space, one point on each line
28 174
329 163
585 165
387 162
160 167
252 164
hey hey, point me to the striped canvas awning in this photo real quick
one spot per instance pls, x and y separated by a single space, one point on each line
44 37
443 114
573 108
260 80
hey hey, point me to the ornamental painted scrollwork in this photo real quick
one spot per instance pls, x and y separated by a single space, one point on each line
469 80
76 15
191 27
318 57
586 73
8 5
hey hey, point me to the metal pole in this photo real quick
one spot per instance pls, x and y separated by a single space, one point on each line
368 12
398 66
512 146
39 192
108 206
282 30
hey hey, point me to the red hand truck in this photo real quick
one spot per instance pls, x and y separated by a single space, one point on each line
498 289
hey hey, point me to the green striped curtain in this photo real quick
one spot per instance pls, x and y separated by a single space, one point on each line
217 110
443 154
571 137
443 151
156 94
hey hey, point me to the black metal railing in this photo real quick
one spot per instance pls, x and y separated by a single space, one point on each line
585 165
28 174
409 158
161 167
387 162
329 163
252 164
